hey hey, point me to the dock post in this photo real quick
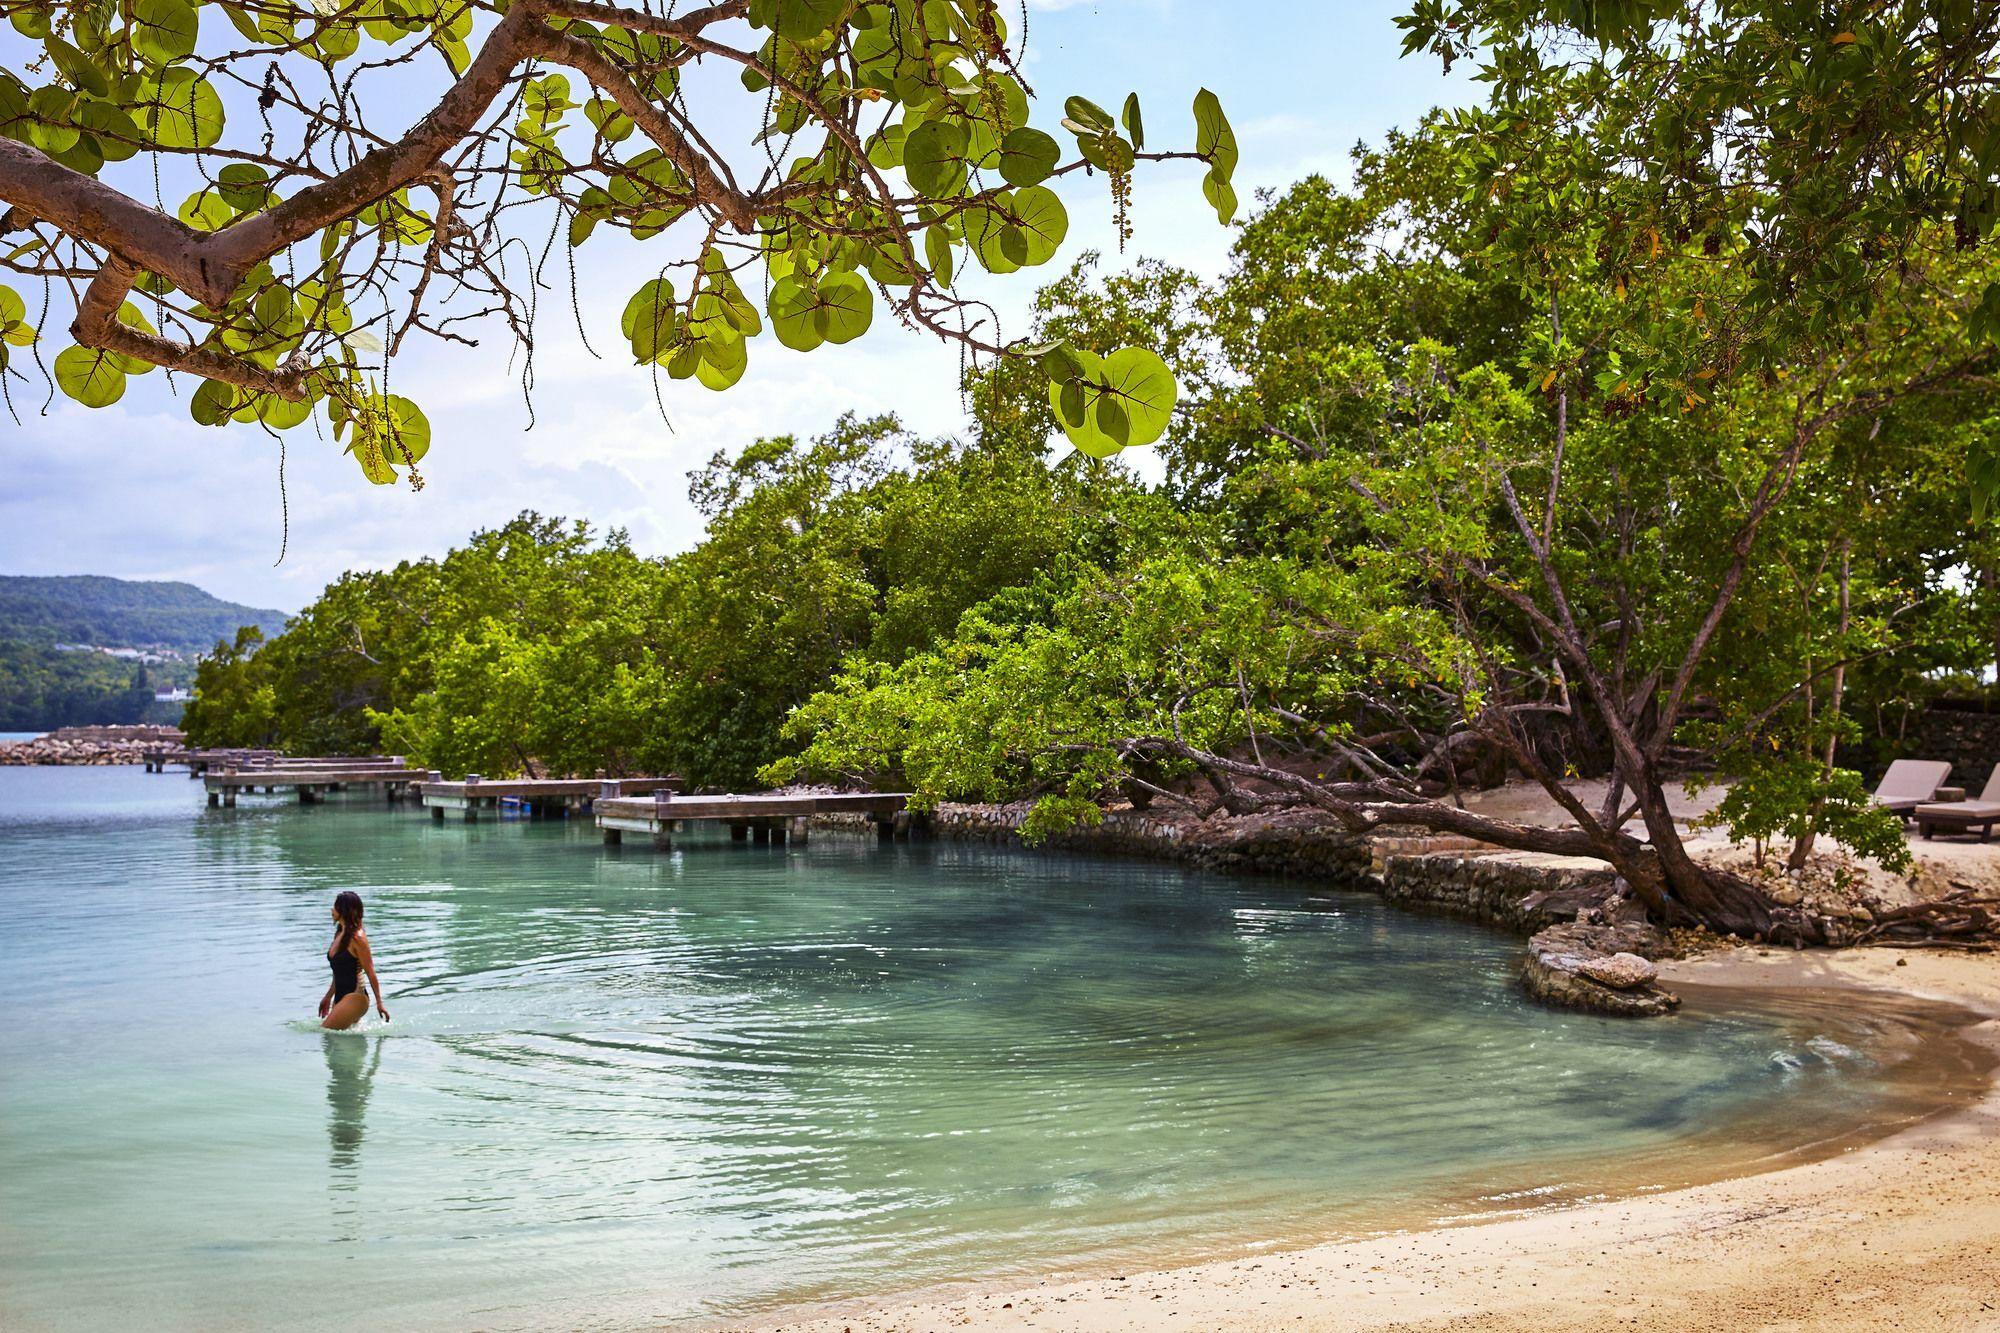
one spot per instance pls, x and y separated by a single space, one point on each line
471 800
229 797
799 826
214 799
901 824
612 837
663 836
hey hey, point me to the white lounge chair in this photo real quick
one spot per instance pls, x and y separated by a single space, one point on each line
1964 816
1910 783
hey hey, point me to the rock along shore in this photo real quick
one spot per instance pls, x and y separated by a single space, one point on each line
89 745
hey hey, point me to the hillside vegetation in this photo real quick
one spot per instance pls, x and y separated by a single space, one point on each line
89 608
42 688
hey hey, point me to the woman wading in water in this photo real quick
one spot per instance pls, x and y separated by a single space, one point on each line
345 1002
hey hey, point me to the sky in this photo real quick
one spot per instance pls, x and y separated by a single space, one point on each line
138 490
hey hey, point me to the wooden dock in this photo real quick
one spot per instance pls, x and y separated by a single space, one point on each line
537 796
765 818
199 762
312 782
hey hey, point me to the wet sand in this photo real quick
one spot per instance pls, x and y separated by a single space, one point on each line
1900 1233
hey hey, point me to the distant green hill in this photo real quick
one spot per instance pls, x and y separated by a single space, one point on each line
118 613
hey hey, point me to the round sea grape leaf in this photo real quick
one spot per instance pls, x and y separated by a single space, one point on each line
1112 420
1142 387
77 67
1075 401
886 265
723 361
797 20
89 376
243 185
408 430
934 158
336 41
1069 403
1088 113
163 31
793 307
12 308
277 313
847 307
1027 156
178 110
82 156
32 22
885 150
685 361
117 138
282 413
1014 244
205 210
1213 137
213 403
1043 220
937 254
1220 194
986 227
649 320
50 129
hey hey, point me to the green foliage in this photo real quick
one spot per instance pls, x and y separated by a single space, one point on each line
538 646
42 689
893 141
1794 796
121 613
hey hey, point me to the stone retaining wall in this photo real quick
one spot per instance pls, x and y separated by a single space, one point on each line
1253 845
1517 891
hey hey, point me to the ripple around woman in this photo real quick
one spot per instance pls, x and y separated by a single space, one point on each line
345 1002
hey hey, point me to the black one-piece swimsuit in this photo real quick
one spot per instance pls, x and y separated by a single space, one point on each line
346 974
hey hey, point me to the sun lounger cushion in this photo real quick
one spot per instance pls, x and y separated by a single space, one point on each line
1911 782
1961 812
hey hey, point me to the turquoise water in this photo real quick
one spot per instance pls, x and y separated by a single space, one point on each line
622 1088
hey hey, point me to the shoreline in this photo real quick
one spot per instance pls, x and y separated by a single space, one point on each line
1901 1231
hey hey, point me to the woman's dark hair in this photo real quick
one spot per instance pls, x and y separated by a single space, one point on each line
347 906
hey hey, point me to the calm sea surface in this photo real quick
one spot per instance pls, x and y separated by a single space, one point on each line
624 1088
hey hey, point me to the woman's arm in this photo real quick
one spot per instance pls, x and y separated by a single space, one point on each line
326 1000
367 956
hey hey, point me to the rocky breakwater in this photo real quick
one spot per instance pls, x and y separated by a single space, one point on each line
90 745
1601 962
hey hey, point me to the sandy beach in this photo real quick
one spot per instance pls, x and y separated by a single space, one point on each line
1902 1233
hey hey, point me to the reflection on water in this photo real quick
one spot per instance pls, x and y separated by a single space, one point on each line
351 1062
643 1089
